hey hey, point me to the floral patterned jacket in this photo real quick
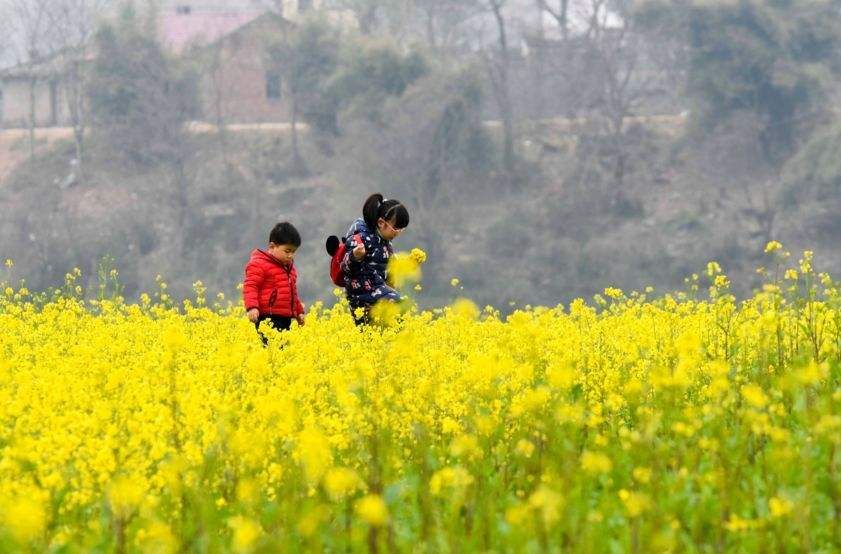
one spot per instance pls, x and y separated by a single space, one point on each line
365 281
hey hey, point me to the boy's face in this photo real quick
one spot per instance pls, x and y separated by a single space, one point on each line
284 253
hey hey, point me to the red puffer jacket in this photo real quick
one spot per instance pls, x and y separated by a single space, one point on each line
271 287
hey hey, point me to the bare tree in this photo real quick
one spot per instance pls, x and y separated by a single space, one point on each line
617 56
559 11
366 12
34 38
6 33
732 163
499 68
605 62
628 75
219 92
5 49
74 22
284 48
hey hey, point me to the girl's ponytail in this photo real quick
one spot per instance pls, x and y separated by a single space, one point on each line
371 210
391 210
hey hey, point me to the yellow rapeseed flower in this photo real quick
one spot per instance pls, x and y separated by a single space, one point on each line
340 482
635 502
25 517
418 255
118 418
403 269
525 448
780 507
246 533
595 462
772 246
371 508
754 396
125 495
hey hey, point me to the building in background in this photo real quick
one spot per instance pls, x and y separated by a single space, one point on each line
183 24
237 84
37 91
226 38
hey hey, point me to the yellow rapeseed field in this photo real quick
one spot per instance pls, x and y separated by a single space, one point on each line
638 422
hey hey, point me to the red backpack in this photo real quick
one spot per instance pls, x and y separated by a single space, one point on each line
336 250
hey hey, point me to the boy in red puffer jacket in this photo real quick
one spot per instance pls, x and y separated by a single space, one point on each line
270 289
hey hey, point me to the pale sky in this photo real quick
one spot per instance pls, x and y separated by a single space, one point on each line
522 15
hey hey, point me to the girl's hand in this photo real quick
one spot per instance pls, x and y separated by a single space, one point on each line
300 319
253 315
359 252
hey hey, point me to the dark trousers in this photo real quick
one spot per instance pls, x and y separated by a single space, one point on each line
277 321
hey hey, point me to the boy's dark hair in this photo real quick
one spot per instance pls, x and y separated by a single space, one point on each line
376 207
285 233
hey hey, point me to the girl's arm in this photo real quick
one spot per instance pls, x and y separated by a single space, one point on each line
349 264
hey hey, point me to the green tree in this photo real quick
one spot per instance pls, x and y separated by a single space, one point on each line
373 15
307 57
369 76
770 60
139 98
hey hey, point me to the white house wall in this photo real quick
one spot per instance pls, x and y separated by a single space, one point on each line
15 105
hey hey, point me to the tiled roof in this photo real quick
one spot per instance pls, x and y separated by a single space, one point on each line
179 31
54 64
